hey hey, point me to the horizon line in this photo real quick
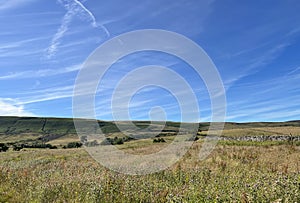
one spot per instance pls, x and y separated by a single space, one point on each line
133 120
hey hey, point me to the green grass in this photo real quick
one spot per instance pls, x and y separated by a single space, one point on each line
18 138
230 174
63 126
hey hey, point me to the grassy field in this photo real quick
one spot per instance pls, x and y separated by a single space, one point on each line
236 171
230 174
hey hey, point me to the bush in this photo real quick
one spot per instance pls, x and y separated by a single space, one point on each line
53 147
159 140
3 147
18 147
116 140
74 145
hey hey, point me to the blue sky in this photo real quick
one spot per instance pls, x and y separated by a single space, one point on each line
255 46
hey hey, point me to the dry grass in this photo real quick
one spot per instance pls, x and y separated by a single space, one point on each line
284 130
229 174
64 140
281 130
246 132
20 137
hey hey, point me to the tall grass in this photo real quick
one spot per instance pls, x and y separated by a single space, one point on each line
230 174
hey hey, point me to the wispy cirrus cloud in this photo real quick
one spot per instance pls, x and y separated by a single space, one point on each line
41 95
50 96
256 63
40 73
293 71
265 101
73 7
11 4
18 106
17 44
22 47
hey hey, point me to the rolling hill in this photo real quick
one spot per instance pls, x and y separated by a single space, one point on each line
62 130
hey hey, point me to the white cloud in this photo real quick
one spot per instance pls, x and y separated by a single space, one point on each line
9 108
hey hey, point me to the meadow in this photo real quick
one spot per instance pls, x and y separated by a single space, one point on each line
232 173
236 171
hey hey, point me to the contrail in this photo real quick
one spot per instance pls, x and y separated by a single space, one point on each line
73 7
88 12
94 24
59 34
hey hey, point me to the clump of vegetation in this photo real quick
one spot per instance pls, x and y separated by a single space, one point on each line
3 147
73 145
18 146
116 140
159 140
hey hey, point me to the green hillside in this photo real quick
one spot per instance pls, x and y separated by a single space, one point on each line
63 126
14 129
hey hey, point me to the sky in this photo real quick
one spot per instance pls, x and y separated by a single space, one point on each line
255 46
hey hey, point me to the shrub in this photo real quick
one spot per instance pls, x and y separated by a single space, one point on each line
18 147
116 140
53 147
3 147
74 145
159 140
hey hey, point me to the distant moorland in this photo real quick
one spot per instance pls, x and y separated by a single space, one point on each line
61 131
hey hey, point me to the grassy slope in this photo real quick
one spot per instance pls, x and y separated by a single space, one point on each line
61 130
